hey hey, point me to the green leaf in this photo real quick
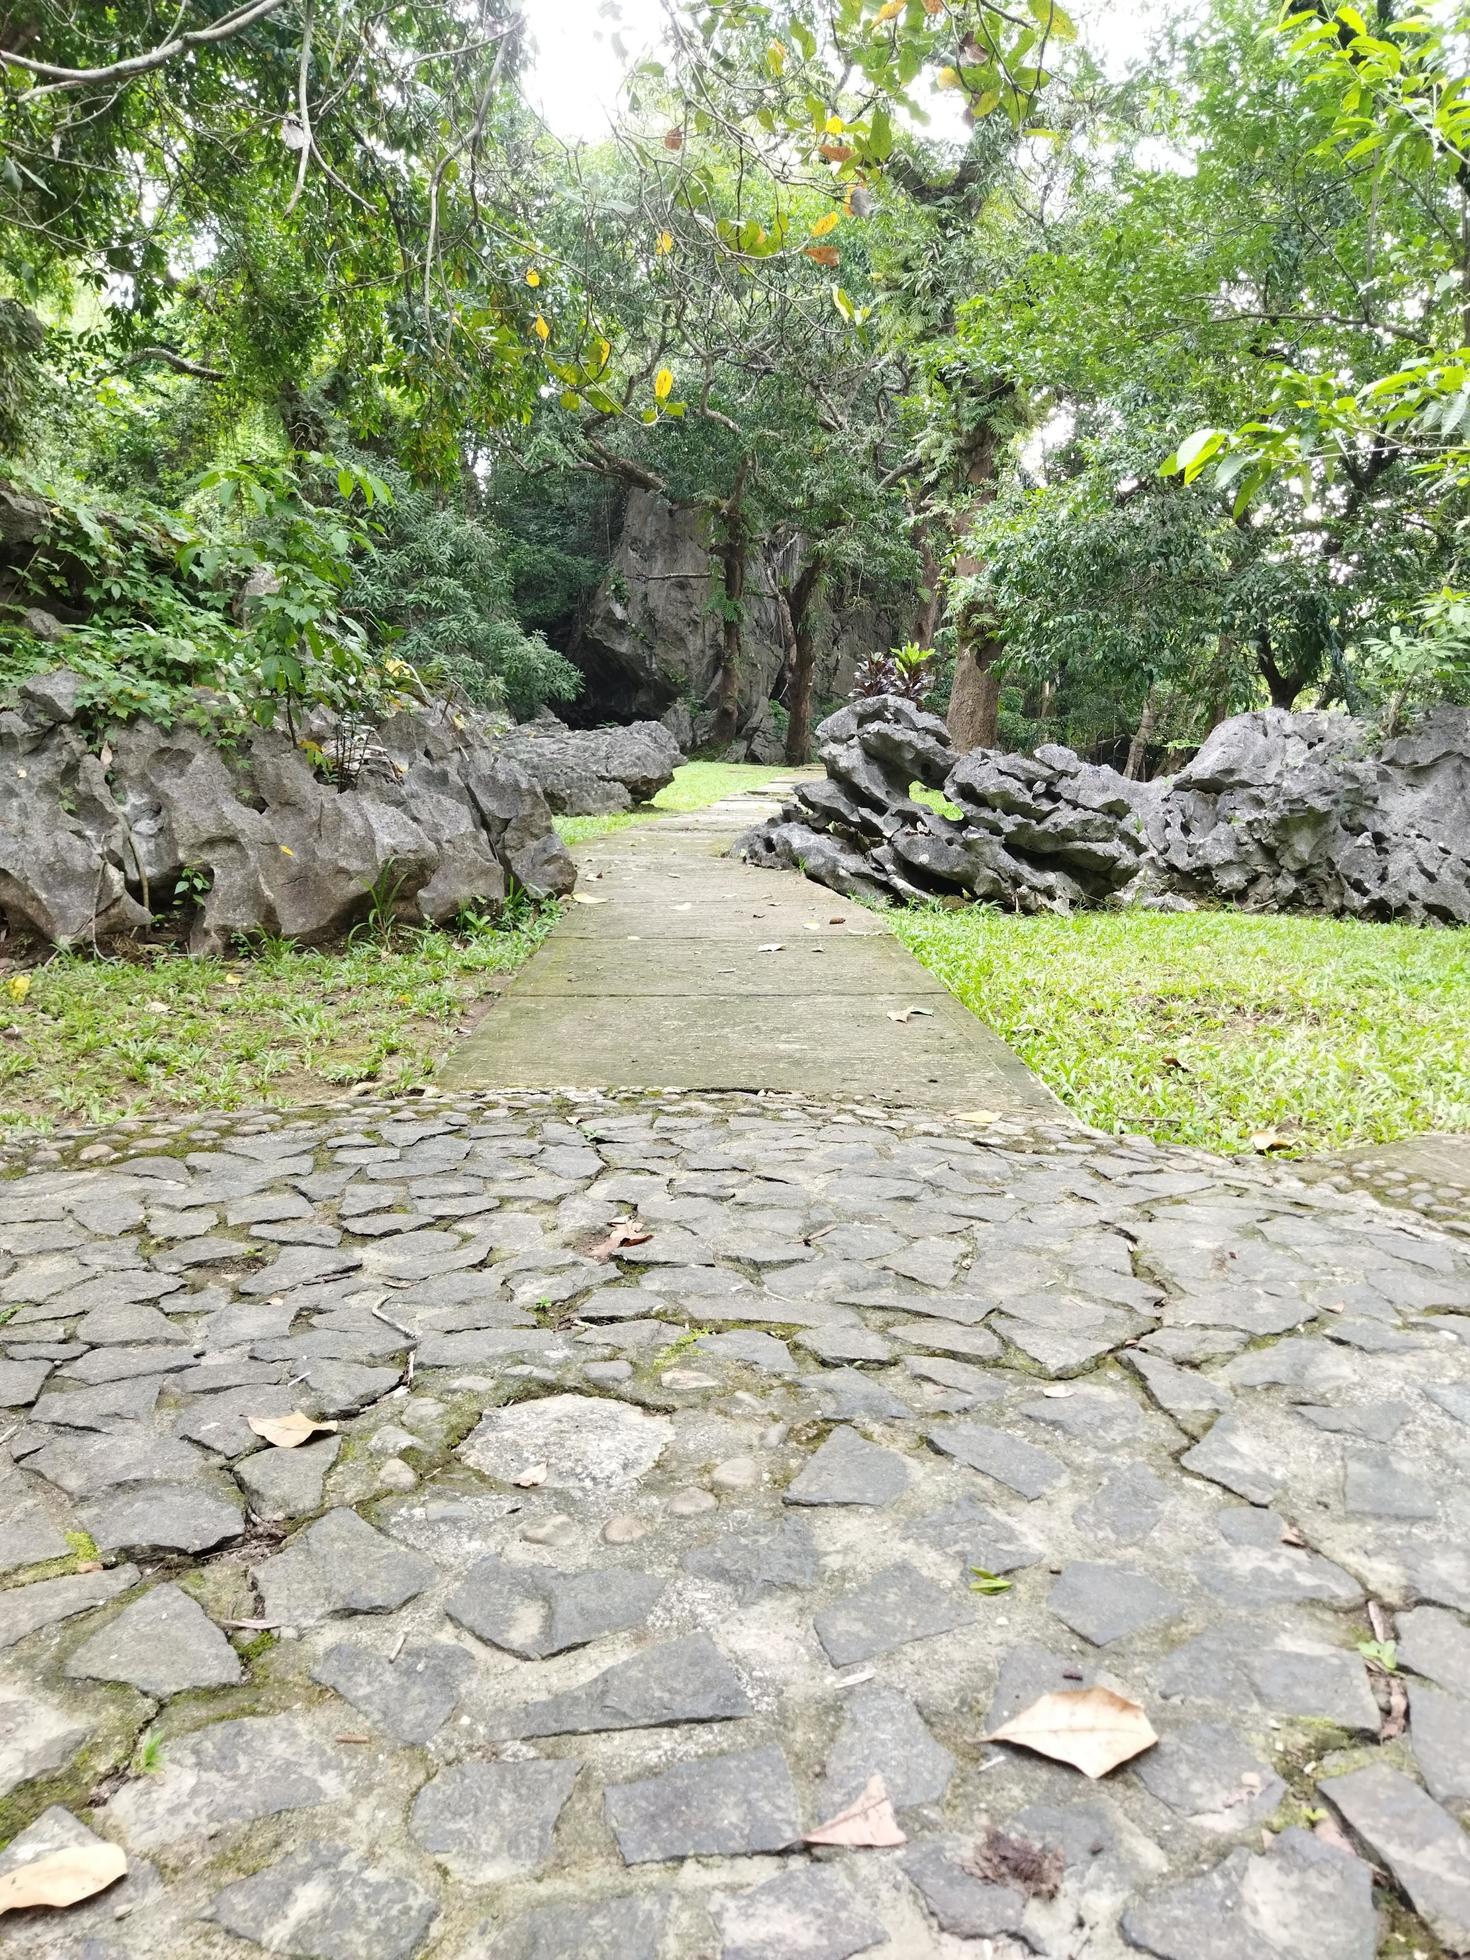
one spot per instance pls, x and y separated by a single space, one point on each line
987 1582
1383 1654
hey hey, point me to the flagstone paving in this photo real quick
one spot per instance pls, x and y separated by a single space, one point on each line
629 1565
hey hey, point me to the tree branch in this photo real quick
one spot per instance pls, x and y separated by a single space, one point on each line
144 64
177 362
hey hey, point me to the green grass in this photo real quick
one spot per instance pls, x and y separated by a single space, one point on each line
695 786
97 1039
1212 1028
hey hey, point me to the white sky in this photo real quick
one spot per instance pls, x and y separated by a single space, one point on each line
575 76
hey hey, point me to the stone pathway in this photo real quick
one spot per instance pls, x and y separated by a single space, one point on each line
681 968
630 1564
1431 1174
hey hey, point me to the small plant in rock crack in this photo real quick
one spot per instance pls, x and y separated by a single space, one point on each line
148 1757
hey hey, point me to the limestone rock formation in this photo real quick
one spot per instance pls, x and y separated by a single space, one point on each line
95 836
587 772
1277 811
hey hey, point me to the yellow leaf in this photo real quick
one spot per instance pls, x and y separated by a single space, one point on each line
665 243
604 354
285 850
19 986
826 224
533 277
776 57
543 332
663 384
890 10
834 125
570 398
63 1878
1091 1728
947 78
289 1432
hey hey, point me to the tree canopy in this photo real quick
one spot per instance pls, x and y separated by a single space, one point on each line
1138 394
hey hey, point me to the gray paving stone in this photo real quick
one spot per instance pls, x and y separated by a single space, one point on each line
28 1537
21 1382
883 1734
1098 1417
38 1736
980 1384
339 1565
1439 1733
756 1559
1378 1484
410 1697
845 1344
1436 1644
1233 1456
1206 1774
87 1925
1421 1844
229 1774
895 1606
1004 1458
287 1483
629 1928
1324 1685
221 1422
964 1906
98 1408
327 1901
586 1442
47 1602
162 1644
535 1610
1379 1422
847 1395
163 1518
848 1469
978 1537
1105 1603
1027 1672
1126 1507
976 1342
753 1349
86 1465
807 1913
1302 1900
120 1364
686 1680
129 1326
720 1806
488 1822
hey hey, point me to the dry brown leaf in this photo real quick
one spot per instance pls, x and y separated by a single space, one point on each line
590 898
63 1878
530 1477
1091 1728
623 1231
907 1013
1291 1536
1265 1141
977 1116
1331 1832
1396 1717
774 947
290 1432
868 1825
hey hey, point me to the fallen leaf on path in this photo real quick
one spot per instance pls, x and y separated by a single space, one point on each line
589 898
63 1878
1291 1536
999 1859
1331 1832
907 1013
623 1231
987 1582
1091 1728
869 1824
977 1116
774 947
530 1477
290 1432
1396 1717
1265 1141
837 922
1058 1390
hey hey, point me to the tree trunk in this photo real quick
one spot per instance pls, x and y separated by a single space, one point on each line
1135 767
803 661
1284 688
926 620
974 702
730 552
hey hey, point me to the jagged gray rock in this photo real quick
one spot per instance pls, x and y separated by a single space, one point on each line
1278 811
430 815
587 772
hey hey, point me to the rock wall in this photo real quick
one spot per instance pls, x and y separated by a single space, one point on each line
95 838
650 643
1277 811
588 772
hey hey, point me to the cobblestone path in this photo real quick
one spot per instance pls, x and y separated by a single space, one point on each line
629 1565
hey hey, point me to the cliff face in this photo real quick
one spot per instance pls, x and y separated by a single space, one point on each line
650 643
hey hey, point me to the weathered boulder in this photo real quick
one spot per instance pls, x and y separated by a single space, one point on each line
590 772
92 844
1278 811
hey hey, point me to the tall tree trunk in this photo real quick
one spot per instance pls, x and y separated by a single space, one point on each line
974 702
1135 766
1284 687
926 619
731 553
803 659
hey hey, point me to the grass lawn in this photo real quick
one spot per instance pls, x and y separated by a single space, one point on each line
87 1040
1213 1028
695 786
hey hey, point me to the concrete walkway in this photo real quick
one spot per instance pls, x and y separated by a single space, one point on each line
681 968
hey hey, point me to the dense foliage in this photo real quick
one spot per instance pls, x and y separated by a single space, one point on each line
1139 398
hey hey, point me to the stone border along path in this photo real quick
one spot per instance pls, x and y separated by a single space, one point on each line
621 1573
682 968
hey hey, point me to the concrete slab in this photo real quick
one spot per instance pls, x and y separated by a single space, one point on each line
666 981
